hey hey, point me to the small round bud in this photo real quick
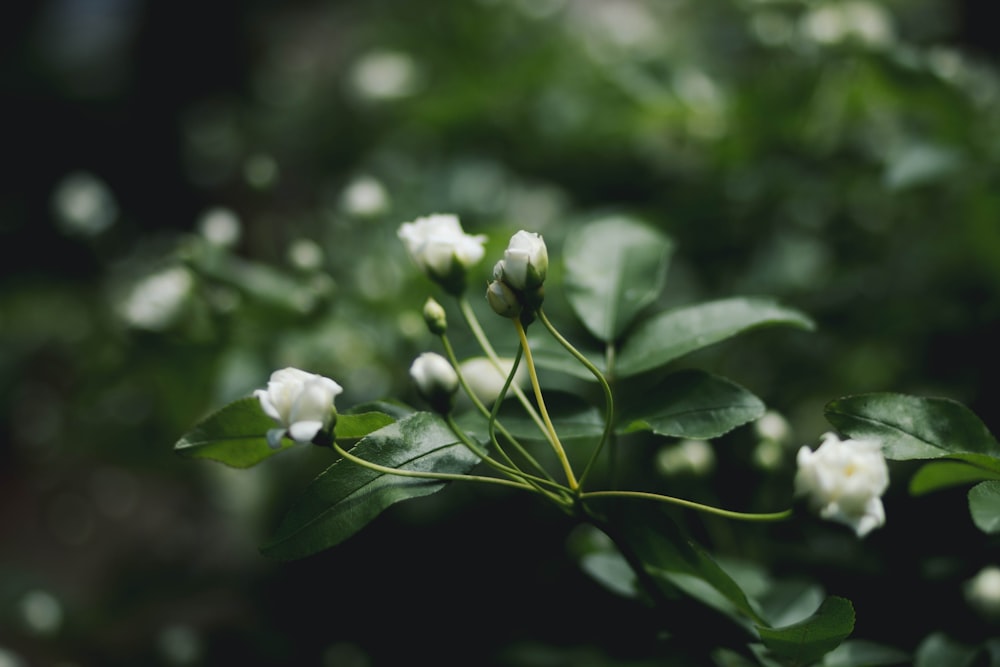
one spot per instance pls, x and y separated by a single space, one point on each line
435 317
503 300
435 379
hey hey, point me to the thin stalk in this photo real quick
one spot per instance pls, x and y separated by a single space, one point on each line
549 428
439 476
708 509
609 403
477 330
450 352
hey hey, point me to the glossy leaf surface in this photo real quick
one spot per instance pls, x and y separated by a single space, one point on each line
615 267
807 641
693 404
984 505
674 333
913 427
347 496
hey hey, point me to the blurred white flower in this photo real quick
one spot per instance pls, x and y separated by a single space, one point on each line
83 204
301 402
155 301
220 226
442 250
365 197
694 457
844 481
486 381
772 426
983 591
385 75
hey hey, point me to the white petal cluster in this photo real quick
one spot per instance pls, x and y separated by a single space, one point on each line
525 262
301 402
843 480
438 245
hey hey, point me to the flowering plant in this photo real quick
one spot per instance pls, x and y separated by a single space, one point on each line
563 447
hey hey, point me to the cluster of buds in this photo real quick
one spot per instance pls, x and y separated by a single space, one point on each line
517 289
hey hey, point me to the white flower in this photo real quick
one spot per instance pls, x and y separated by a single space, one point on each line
486 381
301 402
983 591
525 261
844 481
435 379
442 250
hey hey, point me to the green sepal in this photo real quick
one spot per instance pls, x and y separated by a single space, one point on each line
669 335
347 496
692 404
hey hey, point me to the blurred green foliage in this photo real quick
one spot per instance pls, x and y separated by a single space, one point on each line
203 195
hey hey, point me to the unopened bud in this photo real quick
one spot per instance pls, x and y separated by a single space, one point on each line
503 300
435 379
435 317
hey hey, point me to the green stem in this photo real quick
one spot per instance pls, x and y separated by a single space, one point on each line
729 514
609 403
477 330
514 473
450 352
550 430
440 476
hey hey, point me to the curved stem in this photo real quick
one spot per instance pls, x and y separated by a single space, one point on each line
609 403
549 428
439 476
450 352
477 330
514 473
709 509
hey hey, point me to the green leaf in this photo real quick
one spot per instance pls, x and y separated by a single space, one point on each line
671 556
354 426
347 496
937 650
611 570
674 333
573 417
942 474
860 653
693 404
234 435
913 427
615 267
984 505
549 354
809 640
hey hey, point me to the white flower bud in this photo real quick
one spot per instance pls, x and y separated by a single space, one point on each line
844 480
503 300
525 261
441 249
435 379
301 402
